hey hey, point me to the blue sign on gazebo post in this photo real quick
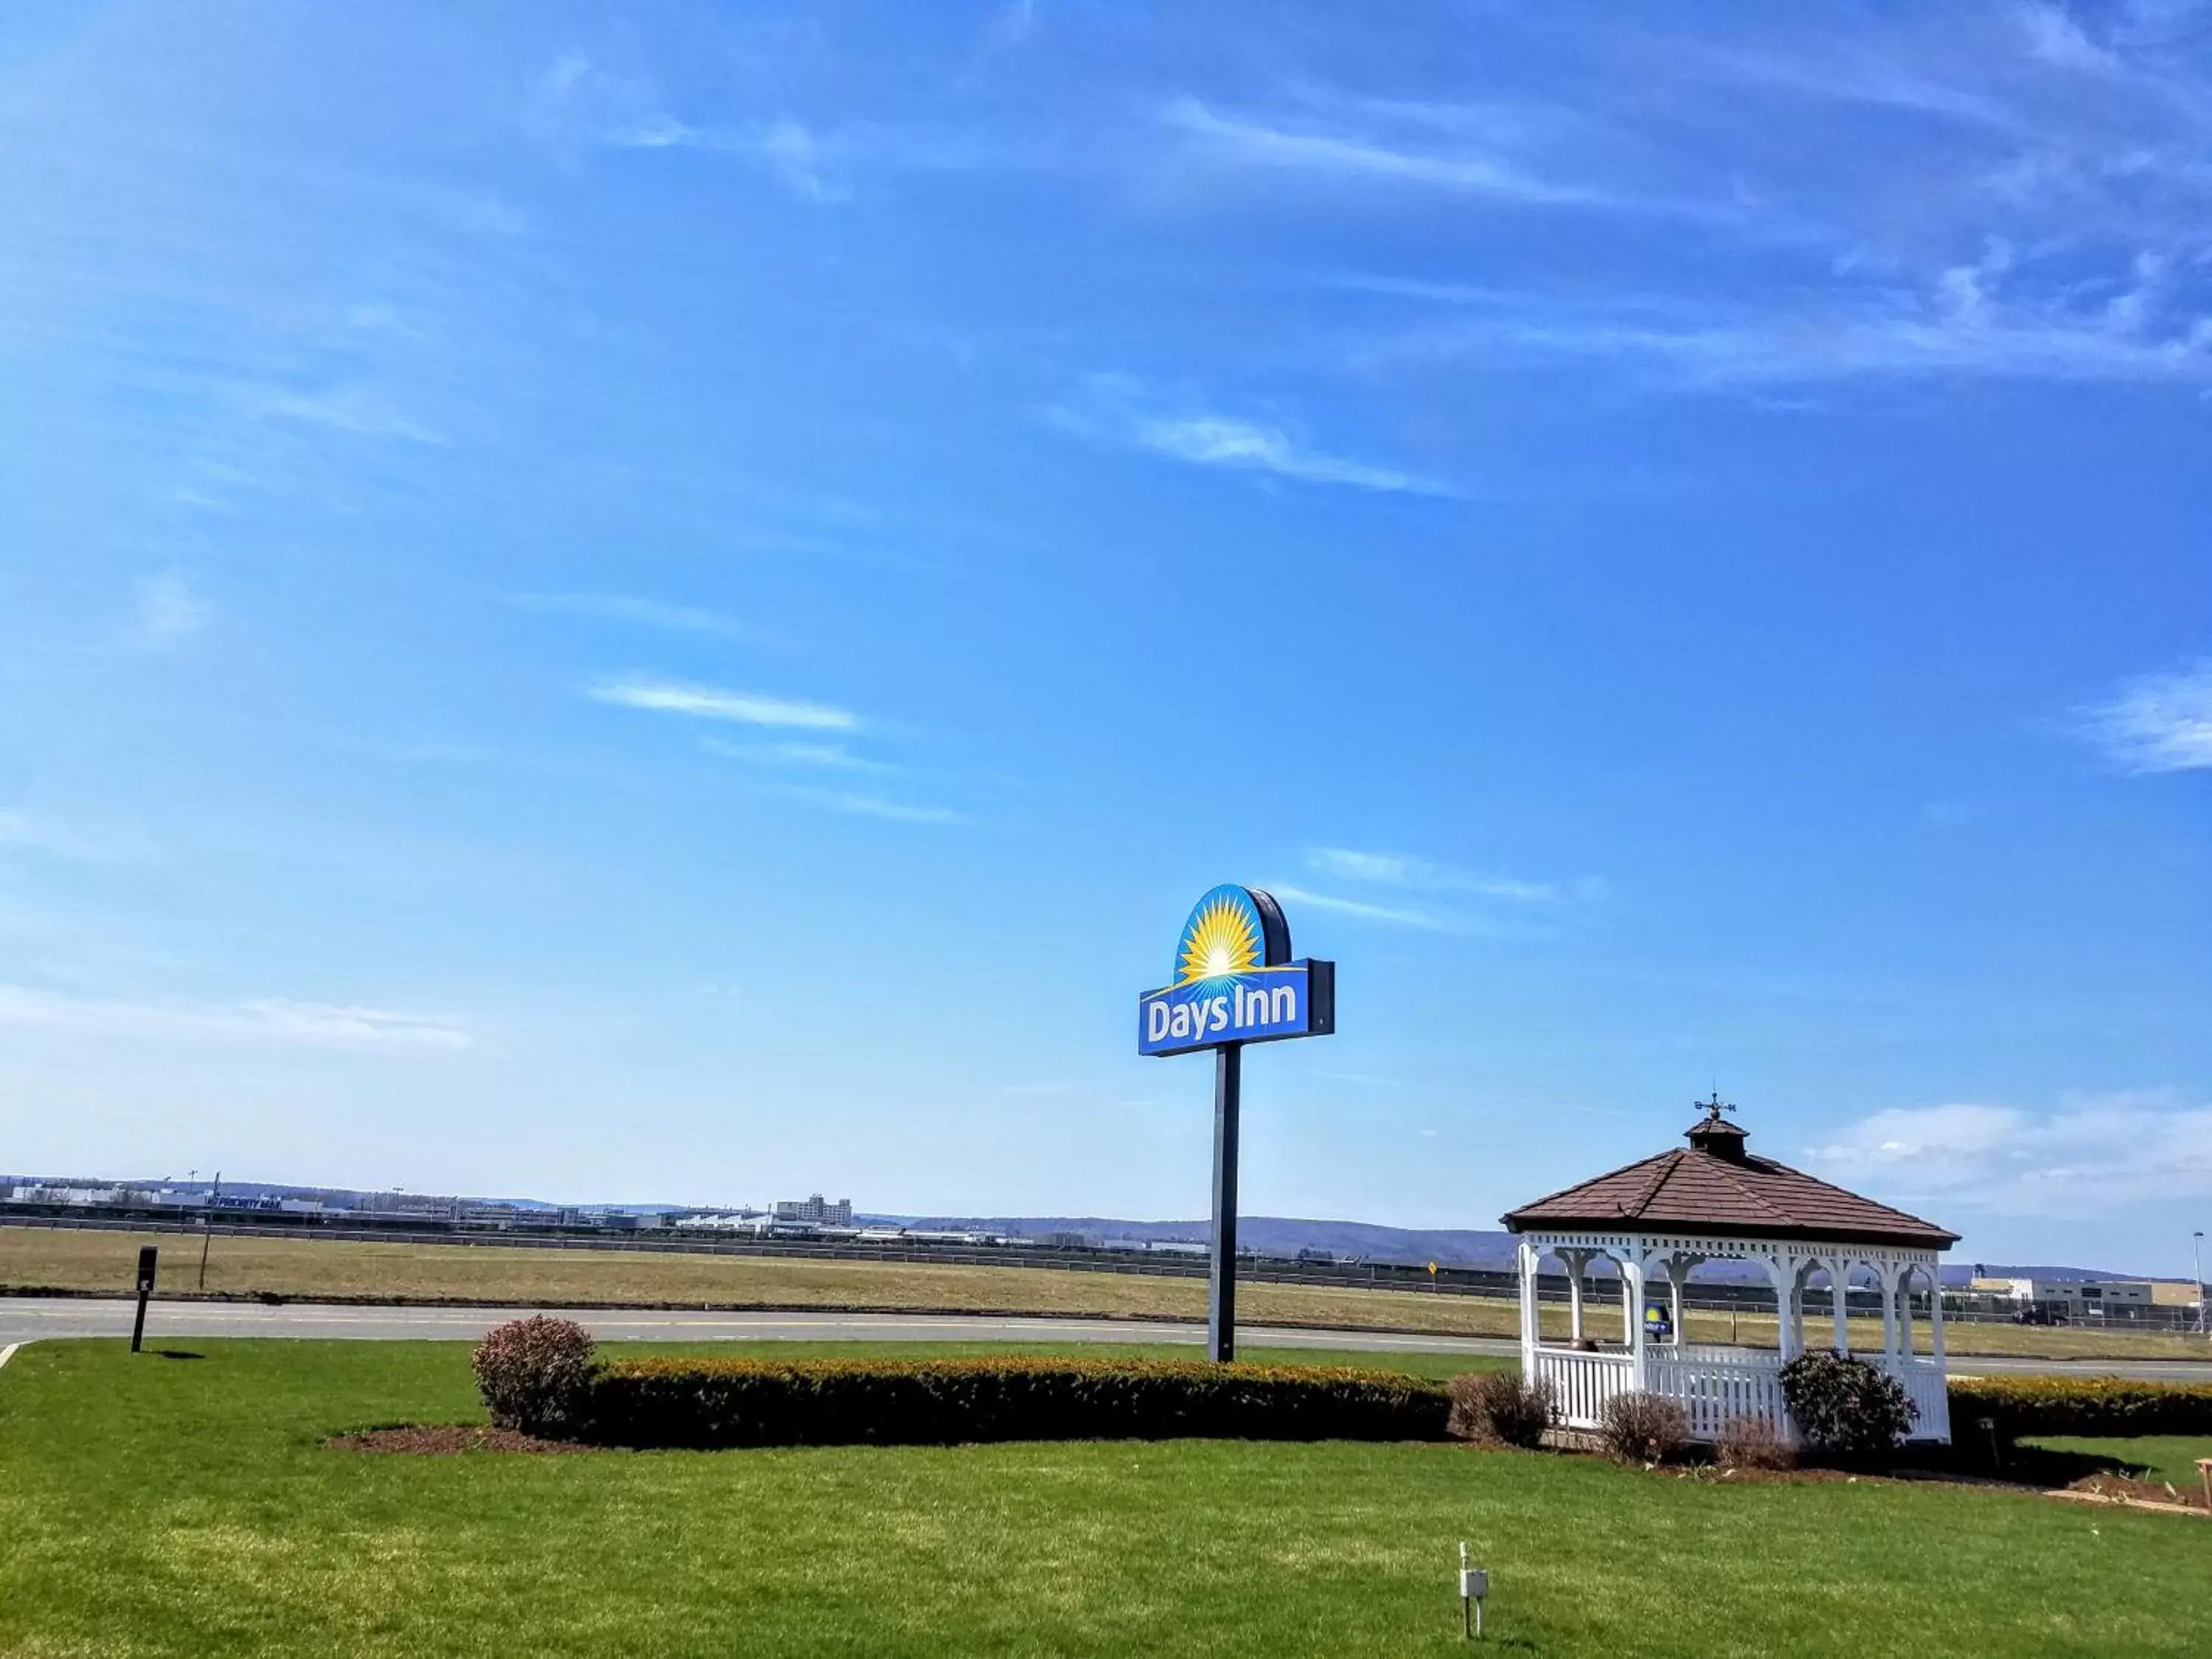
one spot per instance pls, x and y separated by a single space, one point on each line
1235 983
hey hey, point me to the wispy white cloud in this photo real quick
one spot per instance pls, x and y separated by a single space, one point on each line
1399 870
2093 1153
167 609
69 838
709 702
2055 38
827 757
858 804
1114 410
255 1022
576 101
1395 915
357 411
1984 317
646 613
1219 440
2158 723
1361 157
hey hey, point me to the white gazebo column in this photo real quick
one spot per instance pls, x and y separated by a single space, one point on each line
1936 1313
1678 1267
1525 1258
1577 1261
1632 1279
1839 1279
1782 1268
1904 1309
1889 1275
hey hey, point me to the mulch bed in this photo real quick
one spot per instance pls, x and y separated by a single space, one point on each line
445 1440
2124 1489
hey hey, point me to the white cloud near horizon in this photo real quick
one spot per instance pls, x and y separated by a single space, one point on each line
270 1022
2093 1153
710 702
2157 722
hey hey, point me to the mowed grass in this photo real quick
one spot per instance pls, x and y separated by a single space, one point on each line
2170 1457
77 1259
175 1506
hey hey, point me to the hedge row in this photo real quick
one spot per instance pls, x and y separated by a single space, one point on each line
713 1403
2020 1406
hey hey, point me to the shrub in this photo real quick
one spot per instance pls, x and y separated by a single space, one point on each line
1643 1427
1498 1409
705 1403
1753 1442
1846 1407
2022 1406
535 1374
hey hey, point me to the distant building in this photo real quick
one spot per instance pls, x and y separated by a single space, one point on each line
2077 1298
815 1209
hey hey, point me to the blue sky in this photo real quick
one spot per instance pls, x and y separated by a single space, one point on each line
677 606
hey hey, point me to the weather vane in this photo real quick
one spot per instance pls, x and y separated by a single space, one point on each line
1713 1108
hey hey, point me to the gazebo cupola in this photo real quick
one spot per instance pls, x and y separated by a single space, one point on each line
1716 1201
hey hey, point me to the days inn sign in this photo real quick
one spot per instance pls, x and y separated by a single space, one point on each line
1235 983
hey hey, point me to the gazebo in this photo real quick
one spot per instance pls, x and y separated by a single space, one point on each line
1712 1202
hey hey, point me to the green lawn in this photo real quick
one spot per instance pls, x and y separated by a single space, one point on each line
2151 1456
186 1506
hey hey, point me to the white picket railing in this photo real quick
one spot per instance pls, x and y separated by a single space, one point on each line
1581 1382
1924 1386
1715 1391
1715 1384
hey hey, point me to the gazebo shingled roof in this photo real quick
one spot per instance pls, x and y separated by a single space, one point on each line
1715 1186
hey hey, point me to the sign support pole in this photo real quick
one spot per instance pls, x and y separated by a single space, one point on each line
147 1255
1221 1296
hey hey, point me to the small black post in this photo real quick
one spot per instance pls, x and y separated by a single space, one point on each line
1221 1298
147 1253
207 1226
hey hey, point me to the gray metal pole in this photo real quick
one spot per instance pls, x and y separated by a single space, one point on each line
1221 1297
2196 1270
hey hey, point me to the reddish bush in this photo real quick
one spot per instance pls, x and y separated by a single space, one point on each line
1498 1408
1753 1442
535 1374
1643 1427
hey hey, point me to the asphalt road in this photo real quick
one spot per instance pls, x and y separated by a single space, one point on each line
26 1319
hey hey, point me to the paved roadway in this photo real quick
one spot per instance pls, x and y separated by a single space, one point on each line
26 1319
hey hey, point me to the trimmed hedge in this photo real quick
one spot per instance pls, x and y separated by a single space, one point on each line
2023 1406
712 1403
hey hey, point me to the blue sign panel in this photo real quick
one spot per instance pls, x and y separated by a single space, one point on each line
1235 981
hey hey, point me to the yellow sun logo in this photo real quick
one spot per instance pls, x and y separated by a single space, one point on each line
1222 939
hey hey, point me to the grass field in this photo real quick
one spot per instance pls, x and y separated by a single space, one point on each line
84 1259
2158 1456
174 1506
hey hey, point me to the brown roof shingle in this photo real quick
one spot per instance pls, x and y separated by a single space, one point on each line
1693 1188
